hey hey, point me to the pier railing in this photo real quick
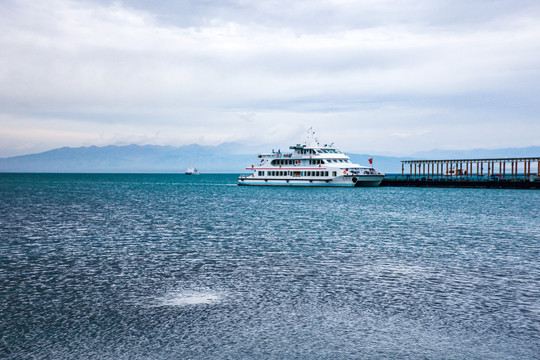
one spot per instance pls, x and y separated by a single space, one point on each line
525 168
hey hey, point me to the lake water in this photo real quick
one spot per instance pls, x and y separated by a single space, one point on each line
195 267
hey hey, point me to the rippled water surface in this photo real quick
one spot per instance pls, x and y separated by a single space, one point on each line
195 267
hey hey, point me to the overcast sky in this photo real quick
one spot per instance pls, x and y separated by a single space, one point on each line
379 77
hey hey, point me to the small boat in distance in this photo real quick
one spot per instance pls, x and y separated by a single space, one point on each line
192 171
310 164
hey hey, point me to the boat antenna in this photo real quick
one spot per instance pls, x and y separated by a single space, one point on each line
311 139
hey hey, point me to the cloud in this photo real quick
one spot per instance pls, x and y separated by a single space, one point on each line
213 72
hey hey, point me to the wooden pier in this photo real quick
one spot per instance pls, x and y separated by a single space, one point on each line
509 173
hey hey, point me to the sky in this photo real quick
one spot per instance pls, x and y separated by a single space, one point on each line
380 77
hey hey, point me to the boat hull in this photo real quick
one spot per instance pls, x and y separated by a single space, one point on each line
342 181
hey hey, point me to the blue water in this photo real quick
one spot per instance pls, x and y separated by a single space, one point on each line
195 267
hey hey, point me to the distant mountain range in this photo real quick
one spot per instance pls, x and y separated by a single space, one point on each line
224 158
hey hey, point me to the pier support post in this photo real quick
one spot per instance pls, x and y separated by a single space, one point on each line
512 176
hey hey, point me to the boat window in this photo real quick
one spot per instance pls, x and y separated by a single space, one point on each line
334 173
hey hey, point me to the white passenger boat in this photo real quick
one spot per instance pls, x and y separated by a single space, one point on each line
310 164
192 171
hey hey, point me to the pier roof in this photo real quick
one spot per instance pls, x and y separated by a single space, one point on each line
473 160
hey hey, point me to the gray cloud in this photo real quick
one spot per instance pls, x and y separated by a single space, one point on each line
82 73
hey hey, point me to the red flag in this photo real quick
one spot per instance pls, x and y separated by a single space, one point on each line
370 161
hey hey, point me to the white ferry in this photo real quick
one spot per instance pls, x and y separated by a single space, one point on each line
192 171
310 164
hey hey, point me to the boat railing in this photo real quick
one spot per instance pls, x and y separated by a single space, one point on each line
274 156
364 172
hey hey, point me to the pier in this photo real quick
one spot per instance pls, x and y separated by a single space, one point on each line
509 173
